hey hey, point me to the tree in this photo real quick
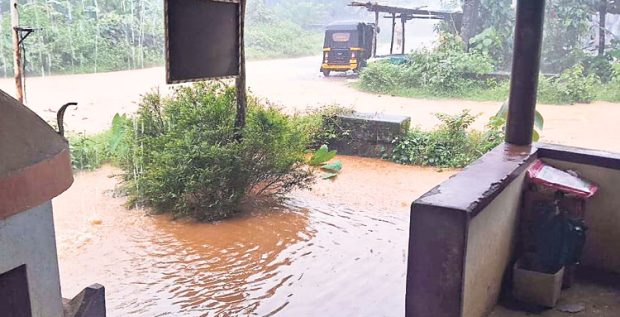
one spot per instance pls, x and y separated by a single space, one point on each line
602 18
471 11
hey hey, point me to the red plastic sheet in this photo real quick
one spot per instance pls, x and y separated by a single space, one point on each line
546 175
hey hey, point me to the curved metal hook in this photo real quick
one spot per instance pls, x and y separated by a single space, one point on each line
60 117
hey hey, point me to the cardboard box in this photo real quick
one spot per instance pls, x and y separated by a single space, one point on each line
536 287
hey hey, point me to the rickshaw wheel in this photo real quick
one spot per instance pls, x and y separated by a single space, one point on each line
326 73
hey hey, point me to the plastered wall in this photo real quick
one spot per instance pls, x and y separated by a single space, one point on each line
490 243
28 238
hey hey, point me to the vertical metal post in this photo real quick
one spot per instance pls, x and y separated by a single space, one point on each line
240 82
17 54
374 40
393 30
525 70
403 21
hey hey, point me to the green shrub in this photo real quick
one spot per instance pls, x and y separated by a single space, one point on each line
89 152
184 158
446 71
574 86
599 66
611 90
322 125
382 77
451 144
281 39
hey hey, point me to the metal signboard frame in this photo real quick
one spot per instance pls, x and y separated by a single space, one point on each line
202 42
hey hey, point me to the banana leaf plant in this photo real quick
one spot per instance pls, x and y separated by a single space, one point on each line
321 158
502 117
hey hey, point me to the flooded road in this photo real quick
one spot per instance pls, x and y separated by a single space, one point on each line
296 84
339 250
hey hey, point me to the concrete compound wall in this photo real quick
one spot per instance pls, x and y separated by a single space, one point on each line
490 244
602 215
28 238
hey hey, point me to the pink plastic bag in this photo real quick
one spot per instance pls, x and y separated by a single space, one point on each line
543 174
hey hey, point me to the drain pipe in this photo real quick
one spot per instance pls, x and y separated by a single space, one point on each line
525 70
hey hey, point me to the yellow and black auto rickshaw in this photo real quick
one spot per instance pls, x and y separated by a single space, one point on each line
348 45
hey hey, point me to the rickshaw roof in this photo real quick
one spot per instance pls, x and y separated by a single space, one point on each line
344 26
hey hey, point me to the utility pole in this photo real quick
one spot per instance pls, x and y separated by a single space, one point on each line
17 55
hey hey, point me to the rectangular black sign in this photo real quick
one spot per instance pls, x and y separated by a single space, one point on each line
202 39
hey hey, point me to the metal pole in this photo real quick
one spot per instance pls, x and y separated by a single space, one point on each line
525 70
393 30
17 55
240 82
374 45
403 20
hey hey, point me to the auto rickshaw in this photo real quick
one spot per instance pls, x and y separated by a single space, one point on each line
348 45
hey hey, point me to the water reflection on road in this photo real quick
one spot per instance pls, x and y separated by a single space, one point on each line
312 256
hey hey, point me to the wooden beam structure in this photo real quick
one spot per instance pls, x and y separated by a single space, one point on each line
404 14
417 12
525 70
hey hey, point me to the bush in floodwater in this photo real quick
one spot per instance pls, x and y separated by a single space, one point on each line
451 144
185 160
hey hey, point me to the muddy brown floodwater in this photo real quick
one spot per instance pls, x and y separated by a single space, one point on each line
338 250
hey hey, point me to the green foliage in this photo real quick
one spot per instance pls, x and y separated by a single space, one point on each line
451 144
495 39
321 156
599 66
447 69
611 90
89 152
282 28
76 36
572 86
322 125
449 72
567 23
382 77
498 122
489 42
184 158
281 39
321 159
92 36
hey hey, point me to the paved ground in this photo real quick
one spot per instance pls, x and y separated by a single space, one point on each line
296 84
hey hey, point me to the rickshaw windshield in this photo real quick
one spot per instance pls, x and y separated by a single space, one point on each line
341 39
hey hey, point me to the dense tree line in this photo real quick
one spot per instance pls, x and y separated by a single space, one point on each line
570 29
76 36
85 35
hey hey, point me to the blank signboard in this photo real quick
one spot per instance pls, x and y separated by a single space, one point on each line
202 39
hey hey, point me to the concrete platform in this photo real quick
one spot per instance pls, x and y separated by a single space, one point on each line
369 134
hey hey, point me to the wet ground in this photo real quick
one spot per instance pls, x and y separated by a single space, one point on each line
339 250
